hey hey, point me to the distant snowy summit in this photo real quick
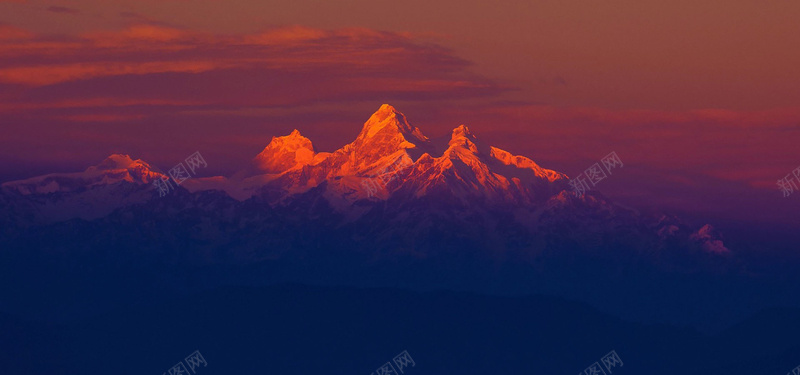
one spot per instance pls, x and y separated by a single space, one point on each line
114 169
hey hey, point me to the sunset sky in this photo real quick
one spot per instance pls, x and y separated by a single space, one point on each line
701 100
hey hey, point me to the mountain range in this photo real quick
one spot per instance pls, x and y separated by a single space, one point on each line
390 163
391 208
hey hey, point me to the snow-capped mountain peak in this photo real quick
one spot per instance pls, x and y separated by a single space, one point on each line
462 141
462 135
386 138
97 191
112 170
284 153
390 122
115 161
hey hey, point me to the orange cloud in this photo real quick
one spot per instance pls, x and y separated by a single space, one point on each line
94 103
148 49
282 35
39 76
141 33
